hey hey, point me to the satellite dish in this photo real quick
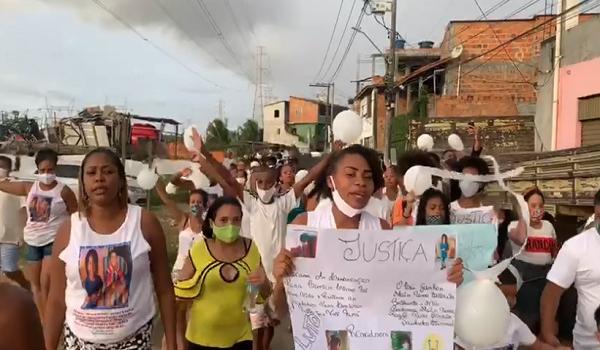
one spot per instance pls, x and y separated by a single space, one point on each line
456 51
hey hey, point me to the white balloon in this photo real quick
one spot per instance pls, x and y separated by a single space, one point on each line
455 142
170 188
425 142
482 314
347 126
147 178
301 174
417 180
198 178
188 141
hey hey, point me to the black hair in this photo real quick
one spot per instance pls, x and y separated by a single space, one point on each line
448 151
202 193
597 317
370 156
509 216
444 236
412 158
116 161
211 213
91 254
532 191
233 166
436 159
280 169
334 340
597 198
46 154
422 209
473 162
7 161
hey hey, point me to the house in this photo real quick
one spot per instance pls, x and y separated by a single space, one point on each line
299 121
578 113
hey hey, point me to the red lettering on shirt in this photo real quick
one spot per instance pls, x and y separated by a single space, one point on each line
540 245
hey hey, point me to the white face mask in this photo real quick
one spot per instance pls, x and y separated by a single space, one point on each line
46 179
266 195
341 204
240 180
469 188
3 173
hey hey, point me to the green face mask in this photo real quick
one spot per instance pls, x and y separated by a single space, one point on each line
227 233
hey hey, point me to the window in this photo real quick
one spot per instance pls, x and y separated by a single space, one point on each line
589 117
278 131
276 114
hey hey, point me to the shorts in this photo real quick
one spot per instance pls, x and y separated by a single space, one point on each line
38 253
140 340
9 257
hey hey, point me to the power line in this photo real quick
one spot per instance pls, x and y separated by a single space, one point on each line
155 46
499 42
349 46
337 49
236 22
488 12
337 19
182 29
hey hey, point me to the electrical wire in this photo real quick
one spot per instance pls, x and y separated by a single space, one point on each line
488 12
168 13
337 49
236 22
151 43
337 19
499 42
350 42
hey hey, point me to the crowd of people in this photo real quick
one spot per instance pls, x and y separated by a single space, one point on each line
97 266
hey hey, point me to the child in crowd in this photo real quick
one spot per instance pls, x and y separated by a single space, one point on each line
471 195
433 208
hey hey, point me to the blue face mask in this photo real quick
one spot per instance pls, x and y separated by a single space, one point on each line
196 210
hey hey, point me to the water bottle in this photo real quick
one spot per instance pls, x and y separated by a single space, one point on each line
251 297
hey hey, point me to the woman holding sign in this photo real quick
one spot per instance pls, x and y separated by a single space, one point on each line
353 175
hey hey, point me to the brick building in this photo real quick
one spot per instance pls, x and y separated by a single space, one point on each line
300 121
460 79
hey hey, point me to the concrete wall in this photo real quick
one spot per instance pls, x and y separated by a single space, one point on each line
275 128
303 111
576 81
579 44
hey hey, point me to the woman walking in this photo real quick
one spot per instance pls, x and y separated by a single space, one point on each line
132 265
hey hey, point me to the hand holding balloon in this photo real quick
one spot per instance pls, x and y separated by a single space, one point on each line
147 178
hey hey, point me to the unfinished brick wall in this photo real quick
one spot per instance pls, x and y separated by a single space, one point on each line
303 111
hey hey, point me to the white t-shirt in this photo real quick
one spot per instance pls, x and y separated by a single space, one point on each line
46 211
518 334
578 262
481 215
11 226
540 243
268 225
380 208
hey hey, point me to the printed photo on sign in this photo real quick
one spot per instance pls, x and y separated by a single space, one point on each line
434 342
401 340
445 251
39 208
303 244
307 246
337 340
105 273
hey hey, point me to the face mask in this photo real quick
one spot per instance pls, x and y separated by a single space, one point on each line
3 173
240 180
344 207
266 195
196 209
434 220
469 188
227 233
46 179
537 214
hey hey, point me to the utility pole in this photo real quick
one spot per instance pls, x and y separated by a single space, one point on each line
390 92
330 96
560 6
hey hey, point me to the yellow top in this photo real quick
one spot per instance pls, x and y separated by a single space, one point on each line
216 317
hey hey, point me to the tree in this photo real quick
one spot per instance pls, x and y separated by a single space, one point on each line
217 135
248 132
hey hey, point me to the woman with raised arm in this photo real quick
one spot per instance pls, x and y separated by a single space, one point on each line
132 267
353 175
49 204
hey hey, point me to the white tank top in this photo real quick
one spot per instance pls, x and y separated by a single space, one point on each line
322 217
116 297
46 211
186 239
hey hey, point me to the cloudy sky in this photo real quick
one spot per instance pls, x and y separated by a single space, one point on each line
187 55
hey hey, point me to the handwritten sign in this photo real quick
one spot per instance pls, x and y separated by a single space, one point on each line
372 290
481 215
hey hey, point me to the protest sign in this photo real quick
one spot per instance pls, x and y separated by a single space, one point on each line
481 215
372 289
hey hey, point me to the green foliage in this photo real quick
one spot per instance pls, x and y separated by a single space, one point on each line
25 127
248 132
217 135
